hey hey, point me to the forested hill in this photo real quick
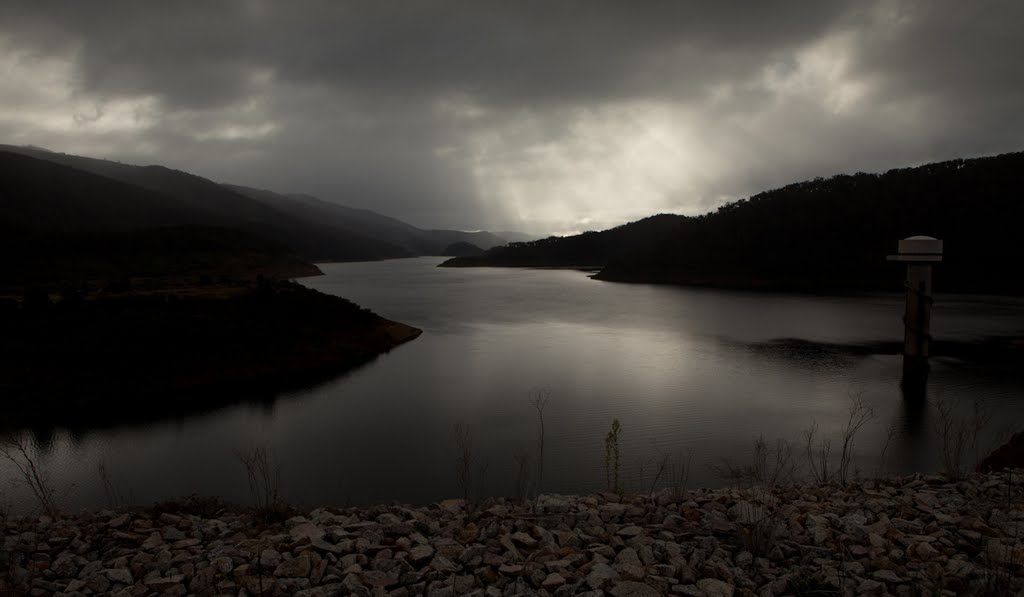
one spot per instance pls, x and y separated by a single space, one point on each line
587 250
61 224
826 234
315 230
835 233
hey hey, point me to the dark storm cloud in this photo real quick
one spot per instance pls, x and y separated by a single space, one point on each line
507 114
195 53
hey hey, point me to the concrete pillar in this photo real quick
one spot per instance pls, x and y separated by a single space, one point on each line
919 253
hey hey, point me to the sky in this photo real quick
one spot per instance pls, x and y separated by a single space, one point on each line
542 116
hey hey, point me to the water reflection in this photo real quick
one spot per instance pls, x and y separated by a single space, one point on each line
693 371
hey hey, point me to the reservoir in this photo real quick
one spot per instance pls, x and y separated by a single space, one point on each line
694 376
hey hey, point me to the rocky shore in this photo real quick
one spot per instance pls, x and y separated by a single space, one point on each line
920 535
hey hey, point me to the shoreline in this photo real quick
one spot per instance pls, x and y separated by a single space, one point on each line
98 362
899 536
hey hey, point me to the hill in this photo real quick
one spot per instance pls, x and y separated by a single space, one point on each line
217 205
81 362
587 250
316 230
462 249
165 301
63 225
392 237
834 233
826 234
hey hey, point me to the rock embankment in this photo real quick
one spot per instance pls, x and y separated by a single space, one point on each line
906 536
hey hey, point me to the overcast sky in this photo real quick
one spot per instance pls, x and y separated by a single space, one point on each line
542 116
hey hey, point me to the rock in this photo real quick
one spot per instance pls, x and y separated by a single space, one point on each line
443 564
870 587
118 522
886 576
120 575
374 578
552 504
469 533
925 551
421 553
628 565
553 581
524 539
153 541
270 558
306 531
630 531
297 567
164 583
98 584
601 575
510 570
330 590
898 536
712 587
628 588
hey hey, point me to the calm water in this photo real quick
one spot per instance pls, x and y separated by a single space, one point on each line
686 371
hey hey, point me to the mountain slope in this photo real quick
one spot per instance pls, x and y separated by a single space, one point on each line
835 233
818 235
224 207
317 230
587 250
59 223
397 238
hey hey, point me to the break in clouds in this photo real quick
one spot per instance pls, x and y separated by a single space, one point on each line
536 116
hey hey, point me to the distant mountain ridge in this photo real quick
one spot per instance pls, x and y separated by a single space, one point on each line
590 250
396 238
818 235
86 200
61 224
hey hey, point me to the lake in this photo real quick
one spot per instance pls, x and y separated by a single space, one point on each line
692 375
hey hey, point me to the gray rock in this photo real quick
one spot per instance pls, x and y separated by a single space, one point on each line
630 531
420 553
553 581
153 541
630 588
223 564
270 558
870 587
523 539
330 590
306 531
601 575
886 576
98 583
324 546
121 575
552 504
118 522
298 567
443 564
164 583
375 578
712 587
628 565
511 569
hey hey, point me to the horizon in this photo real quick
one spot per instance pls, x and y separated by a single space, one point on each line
543 119
538 236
